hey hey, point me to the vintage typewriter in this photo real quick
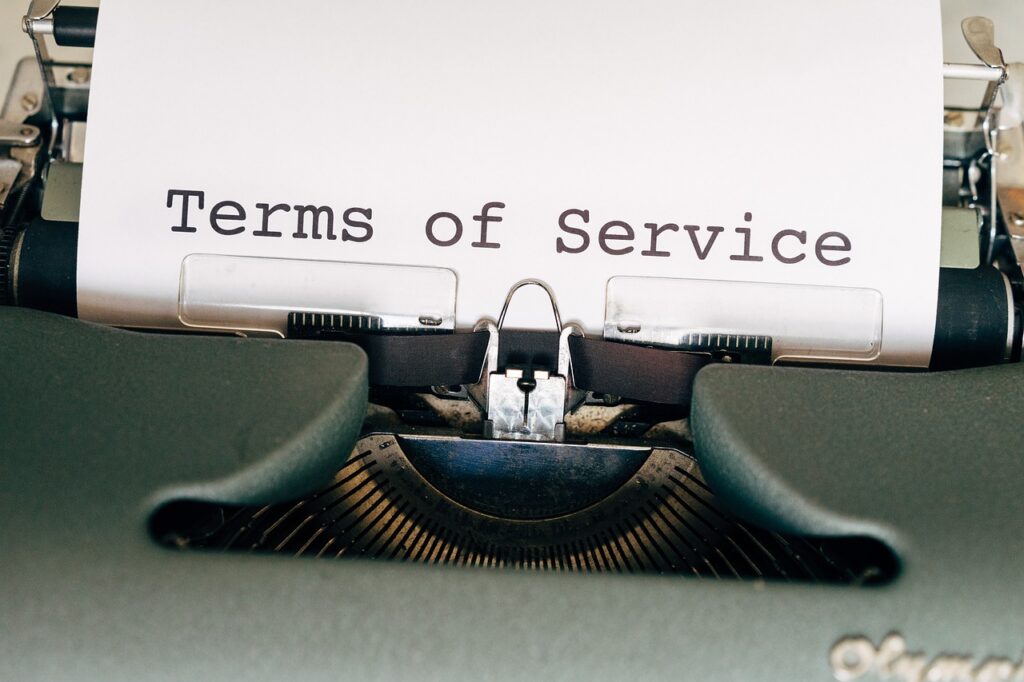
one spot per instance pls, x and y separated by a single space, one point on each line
384 498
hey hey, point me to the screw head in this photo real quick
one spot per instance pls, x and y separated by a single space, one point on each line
79 75
30 101
527 384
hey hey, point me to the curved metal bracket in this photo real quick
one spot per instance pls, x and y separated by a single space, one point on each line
38 19
980 34
530 282
526 405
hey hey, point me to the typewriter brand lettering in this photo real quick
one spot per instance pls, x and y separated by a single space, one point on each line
853 658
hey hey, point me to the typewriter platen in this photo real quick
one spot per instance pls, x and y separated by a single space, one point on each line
807 522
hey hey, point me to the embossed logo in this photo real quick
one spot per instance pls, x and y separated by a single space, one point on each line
853 658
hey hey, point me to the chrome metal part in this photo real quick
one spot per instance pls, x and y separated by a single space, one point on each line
967 171
1007 140
39 27
62 197
754 321
574 397
1011 327
38 17
961 229
1002 130
64 85
980 34
10 169
73 144
526 408
41 9
73 76
971 72
478 392
20 156
530 282
18 134
526 404
25 98
256 295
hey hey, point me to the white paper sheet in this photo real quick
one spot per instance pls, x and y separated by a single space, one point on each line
727 120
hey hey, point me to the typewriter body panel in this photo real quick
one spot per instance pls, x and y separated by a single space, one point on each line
213 506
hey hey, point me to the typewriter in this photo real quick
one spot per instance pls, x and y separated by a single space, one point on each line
377 497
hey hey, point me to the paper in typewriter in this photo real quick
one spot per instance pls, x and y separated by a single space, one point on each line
744 141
